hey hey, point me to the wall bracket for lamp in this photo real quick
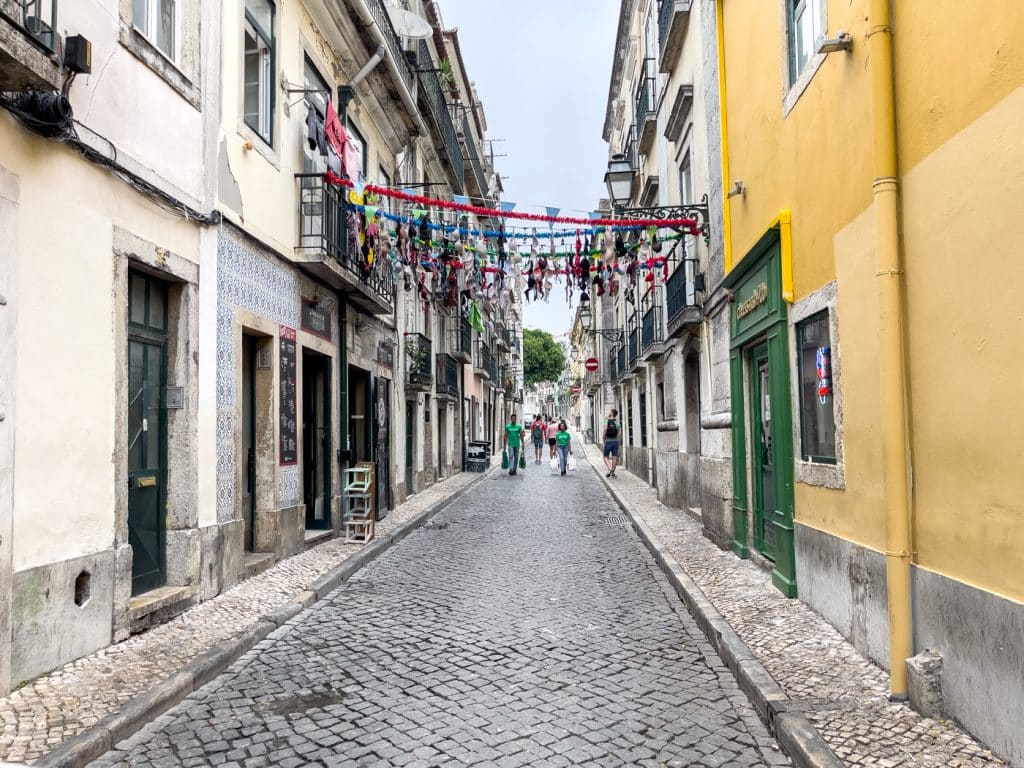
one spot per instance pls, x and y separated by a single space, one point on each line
290 89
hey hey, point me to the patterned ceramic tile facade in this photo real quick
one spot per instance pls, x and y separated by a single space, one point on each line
257 283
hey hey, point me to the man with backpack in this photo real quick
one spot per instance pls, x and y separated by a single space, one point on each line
538 433
610 438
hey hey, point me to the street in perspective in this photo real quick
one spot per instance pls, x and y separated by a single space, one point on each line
462 383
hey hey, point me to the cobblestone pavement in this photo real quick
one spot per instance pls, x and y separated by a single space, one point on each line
526 625
55 707
845 694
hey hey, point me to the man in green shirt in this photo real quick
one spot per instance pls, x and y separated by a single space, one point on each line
513 443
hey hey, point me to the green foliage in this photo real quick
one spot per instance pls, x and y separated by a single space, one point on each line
543 358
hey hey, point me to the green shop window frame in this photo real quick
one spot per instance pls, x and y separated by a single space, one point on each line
816 418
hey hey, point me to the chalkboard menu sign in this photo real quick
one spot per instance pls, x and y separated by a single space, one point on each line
288 411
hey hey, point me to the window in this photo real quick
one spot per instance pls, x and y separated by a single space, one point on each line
385 181
356 137
259 67
317 97
817 420
643 419
685 180
804 30
157 20
629 420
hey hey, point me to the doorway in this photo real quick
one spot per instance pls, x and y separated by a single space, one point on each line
442 441
359 416
410 447
316 439
762 454
249 440
147 430
382 446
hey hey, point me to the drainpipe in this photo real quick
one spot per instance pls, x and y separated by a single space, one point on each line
889 273
724 126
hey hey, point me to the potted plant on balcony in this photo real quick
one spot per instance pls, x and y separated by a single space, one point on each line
445 74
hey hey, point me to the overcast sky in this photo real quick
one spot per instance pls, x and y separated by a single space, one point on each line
542 68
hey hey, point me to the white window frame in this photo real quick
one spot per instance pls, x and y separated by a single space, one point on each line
149 26
265 95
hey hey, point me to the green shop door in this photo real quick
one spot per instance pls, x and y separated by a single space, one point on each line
762 463
147 430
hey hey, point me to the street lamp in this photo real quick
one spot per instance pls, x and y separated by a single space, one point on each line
587 322
619 180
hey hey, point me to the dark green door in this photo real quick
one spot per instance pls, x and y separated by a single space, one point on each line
410 446
147 430
762 451
316 433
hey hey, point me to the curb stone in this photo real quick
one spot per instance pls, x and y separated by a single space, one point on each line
794 732
93 742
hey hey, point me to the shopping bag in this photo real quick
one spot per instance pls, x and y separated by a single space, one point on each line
555 467
504 458
522 460
570 464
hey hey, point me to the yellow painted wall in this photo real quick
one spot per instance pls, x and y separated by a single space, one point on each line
64 470
815 161
960 105
962 239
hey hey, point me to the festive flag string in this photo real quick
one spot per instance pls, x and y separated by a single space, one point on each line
333 178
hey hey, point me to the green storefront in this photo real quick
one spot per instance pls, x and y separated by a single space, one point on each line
762 425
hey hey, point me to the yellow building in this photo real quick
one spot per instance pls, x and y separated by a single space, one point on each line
874 170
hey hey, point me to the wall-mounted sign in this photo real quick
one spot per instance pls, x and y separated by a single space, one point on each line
289 414
316 319
386 355
752 302
592 364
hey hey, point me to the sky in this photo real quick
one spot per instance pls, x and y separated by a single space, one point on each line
541 69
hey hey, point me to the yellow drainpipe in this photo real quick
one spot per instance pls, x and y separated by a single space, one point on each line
726 209
889 274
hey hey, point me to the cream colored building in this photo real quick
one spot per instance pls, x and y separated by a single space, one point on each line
666 373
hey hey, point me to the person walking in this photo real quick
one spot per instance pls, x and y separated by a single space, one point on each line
538 432
563 442
610 438
513 443
552 432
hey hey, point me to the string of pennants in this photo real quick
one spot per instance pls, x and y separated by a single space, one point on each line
459 266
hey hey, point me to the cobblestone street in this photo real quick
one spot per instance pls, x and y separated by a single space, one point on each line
525 625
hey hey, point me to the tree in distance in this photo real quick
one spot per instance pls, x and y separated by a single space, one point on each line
543 357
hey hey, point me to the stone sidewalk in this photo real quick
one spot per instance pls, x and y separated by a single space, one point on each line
842 693
50 709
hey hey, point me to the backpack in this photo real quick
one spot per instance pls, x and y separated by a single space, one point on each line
538 431
612 430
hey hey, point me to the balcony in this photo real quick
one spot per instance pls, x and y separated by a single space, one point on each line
483 361
394 43
683 285
646 112
29 45
620 360
632 341
652 330
434 94
673 19
462 341
323 248
419 374
447 376
479 177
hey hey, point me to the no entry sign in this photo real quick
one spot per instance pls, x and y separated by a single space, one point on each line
591 364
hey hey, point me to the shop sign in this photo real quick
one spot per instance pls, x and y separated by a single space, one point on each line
287 428
386 355
315 319
752 302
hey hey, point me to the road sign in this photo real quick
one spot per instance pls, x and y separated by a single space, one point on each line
577 389
591 364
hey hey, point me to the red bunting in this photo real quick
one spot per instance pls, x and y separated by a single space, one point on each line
434 202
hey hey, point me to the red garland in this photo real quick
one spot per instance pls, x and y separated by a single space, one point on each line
333 178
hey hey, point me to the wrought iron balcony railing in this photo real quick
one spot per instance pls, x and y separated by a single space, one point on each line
632 340
652 330
323 235
620 360
38 18
462 341
474 157
645 93
447 375
394 42
433 91
419 371
483 361
681 289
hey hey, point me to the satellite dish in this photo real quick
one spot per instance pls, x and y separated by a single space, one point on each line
408 24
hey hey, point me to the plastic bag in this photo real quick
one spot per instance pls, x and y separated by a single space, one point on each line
570 463
504 458
555 467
